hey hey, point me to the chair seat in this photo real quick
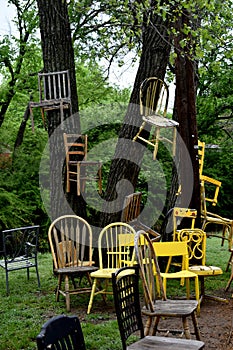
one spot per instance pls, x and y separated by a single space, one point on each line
206 270
107 273
172 308
160 121
75 269
179 274
160 343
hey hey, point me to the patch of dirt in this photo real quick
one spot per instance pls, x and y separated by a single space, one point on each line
215 321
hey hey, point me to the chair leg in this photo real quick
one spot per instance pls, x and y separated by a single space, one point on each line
186 327
195 325
229 261
38 277
148 326
155 326
7 284
92 296
67 293
58 287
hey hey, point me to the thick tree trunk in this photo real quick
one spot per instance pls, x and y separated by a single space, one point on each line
186 172
125 166
58 55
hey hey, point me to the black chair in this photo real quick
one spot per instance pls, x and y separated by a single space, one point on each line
18 250
61 332
128 311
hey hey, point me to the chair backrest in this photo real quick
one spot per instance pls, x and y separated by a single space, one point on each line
54 86
75 147
70 239
61 332
183 213
147 260
131 207
196 241
127 302
112 252
19 242
153 97
172 250
201 155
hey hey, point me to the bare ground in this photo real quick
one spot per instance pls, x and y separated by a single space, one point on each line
215 321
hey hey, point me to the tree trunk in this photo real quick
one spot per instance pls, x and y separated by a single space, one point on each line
125 166
186 172
58 55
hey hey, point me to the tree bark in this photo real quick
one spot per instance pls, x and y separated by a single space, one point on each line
125 166
58 55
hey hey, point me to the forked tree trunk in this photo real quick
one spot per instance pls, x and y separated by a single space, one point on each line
125 166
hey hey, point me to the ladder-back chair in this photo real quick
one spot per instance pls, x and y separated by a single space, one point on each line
154 96
70 239
125 283
78 168
113 254
155 309
54 93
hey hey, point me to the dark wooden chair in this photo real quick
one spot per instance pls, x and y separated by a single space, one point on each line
70 239
61 332
153 109
54 93
78 168
155 309
128 310
18 250
131 215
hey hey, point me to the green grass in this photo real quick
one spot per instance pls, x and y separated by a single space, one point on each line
26 309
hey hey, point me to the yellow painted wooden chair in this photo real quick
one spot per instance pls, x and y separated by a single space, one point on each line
196 241
113 254
174 250
154 96
180 214
212 186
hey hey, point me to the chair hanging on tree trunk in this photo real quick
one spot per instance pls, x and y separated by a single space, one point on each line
54 93
78 168
153 109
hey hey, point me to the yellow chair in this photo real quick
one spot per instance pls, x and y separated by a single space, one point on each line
173 250
153 109
196 241
212 186
183 213
113 254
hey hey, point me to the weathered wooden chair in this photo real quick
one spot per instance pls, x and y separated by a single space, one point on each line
78 168
131 215
61 332
125 283
70 239
113 254
154 96
54 93
154 308
19 248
